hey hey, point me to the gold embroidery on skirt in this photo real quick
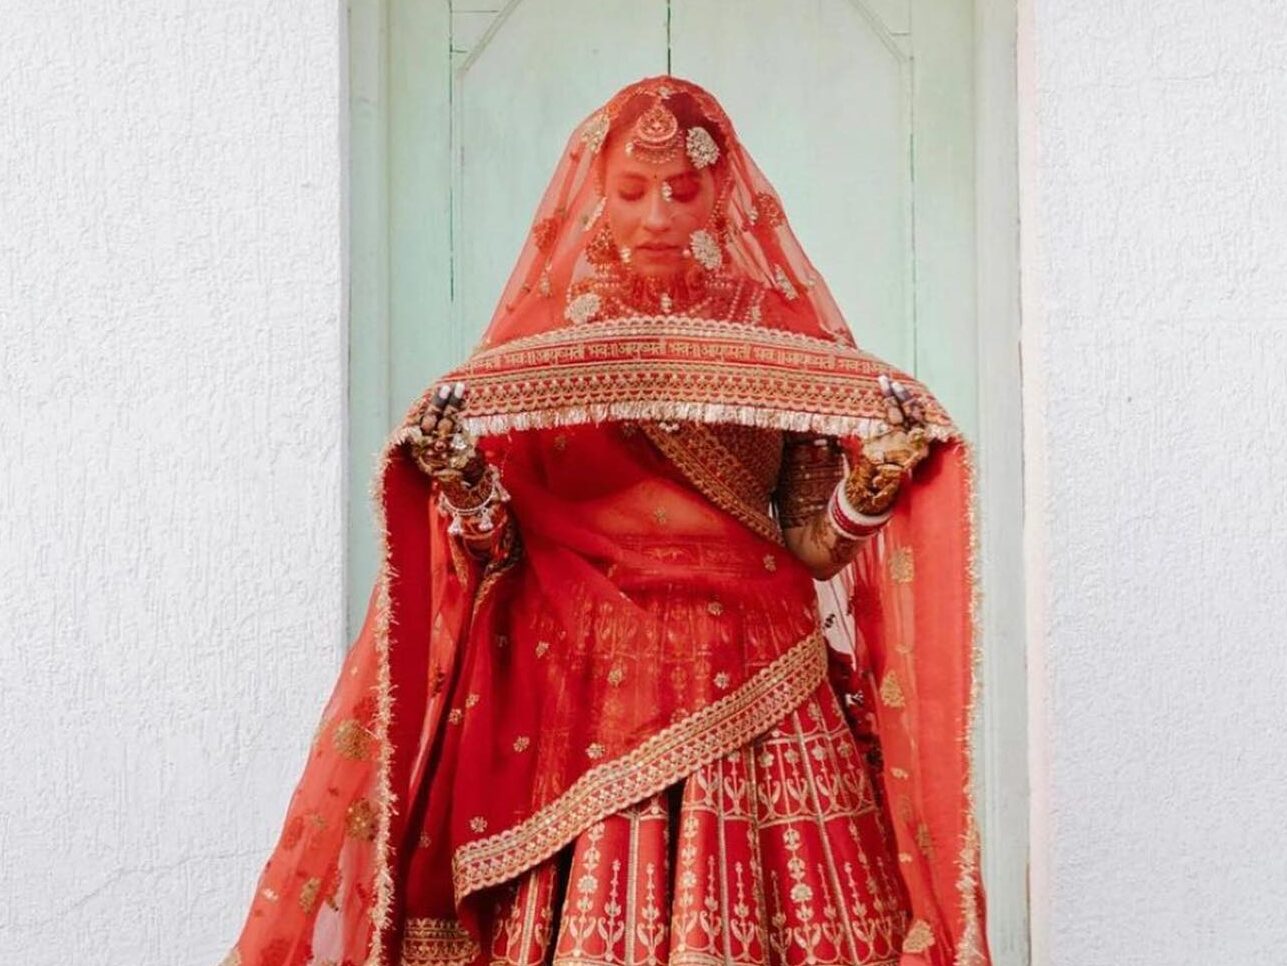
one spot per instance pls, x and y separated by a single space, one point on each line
660 761
437 942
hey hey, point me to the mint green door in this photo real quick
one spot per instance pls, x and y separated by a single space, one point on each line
861 112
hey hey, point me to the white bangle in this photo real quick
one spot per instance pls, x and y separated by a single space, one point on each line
848 522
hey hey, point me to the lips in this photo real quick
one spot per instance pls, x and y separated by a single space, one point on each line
658 248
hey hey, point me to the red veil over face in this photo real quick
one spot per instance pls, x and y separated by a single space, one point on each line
411 799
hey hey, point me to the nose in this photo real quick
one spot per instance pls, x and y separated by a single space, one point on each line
656 217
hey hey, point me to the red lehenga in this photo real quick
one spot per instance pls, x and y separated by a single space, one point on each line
624 738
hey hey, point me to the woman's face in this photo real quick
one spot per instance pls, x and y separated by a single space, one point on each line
655 228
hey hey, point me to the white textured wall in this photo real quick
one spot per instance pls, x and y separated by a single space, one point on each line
171 410
1155 330
171 425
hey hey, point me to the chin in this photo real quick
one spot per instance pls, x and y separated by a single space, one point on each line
657 271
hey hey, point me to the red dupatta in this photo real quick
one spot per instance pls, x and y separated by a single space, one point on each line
767 347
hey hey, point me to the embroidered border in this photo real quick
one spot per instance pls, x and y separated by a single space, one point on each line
668 367
437 942
657 763
717 473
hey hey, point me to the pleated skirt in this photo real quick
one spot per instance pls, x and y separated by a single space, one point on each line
777 854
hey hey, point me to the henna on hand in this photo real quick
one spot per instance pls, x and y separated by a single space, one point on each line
442 448
469 491
887 459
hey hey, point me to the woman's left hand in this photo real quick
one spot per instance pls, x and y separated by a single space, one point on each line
906 442
889 458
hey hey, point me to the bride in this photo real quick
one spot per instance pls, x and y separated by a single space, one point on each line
670 655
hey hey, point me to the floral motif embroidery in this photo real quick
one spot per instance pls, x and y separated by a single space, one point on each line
770 562
455 716
919 938
478 824
705 249
542 647
308 893
595 751
350 739
715 608
583 308
768 207
472 699
595 132
521 743
702 149
902 568
783 283
723 680
616 675
544 233
891 691
360 820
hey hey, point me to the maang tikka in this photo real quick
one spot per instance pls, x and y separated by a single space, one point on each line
657 138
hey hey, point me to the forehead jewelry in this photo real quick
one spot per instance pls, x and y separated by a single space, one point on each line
655 137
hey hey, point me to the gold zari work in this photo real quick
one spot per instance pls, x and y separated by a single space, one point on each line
775 853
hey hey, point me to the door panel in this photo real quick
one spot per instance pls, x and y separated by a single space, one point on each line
820 93
537 70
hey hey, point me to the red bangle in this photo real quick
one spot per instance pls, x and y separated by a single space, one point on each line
847 521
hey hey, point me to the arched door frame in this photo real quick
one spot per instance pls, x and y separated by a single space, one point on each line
399 87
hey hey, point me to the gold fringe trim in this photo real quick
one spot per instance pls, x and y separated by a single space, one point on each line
381 908
656 328
969 949
657 763
789 420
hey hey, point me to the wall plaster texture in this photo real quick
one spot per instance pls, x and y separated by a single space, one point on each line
172 426
1154 203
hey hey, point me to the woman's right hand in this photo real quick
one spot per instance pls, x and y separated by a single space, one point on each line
441 447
